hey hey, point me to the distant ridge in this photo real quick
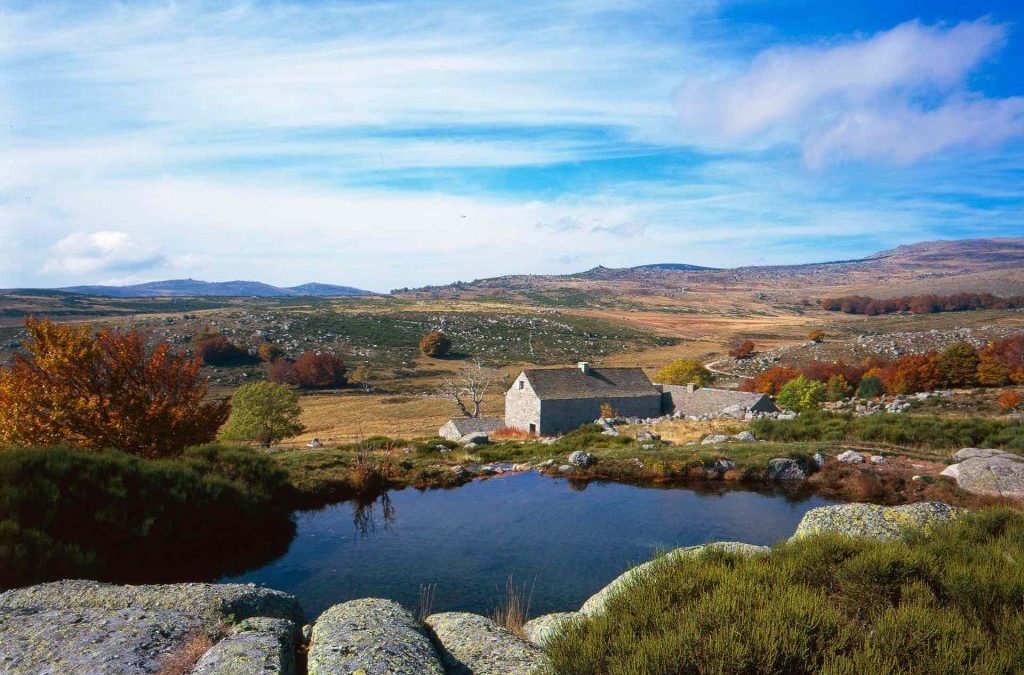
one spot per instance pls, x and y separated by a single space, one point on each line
197 288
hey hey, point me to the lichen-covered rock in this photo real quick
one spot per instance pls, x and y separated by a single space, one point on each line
988 472
598 601
714 439
744 437
210 602
88 627
475 645
539 630
581 459
785 469
374 636
97 641
871 520
850 457
255 647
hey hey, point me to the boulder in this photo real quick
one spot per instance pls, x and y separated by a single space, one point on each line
475 437
88 627
540 630
372 636
581 459
818 459
257 646
647 436
878 459
714 438
988 472
596 603
475 645
784 469
850 457
736 411
744 437
871 520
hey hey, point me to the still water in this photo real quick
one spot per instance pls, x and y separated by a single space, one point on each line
563 540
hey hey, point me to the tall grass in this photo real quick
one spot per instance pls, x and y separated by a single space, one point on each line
946 602
513 608
425 607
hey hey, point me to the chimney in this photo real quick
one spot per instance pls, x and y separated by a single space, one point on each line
584 367
690 388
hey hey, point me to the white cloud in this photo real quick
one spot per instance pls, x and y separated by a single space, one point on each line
860 98
101 251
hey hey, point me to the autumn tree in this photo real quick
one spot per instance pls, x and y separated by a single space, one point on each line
959 364
269 352
1010 400
770 381
214 349
912 373
263 412
318 370
435 344
741 349
837 388
104 390
1001 362
282 371
467 388
816 335
685 371
362 375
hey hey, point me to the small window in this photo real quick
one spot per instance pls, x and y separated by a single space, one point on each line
533 428
522 385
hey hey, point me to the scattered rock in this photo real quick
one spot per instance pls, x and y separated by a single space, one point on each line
475 645
581 459
475 437
597 602
460 471
818 459
850 457
722 465
265 646
745 437
784 469
372 636
540 630
647 436
871 520
878 459
988 472
714 438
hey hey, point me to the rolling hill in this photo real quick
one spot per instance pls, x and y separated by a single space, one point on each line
196 288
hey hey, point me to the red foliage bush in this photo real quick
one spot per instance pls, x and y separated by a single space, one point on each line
282 371
770 381
214 349
319 370
1001 362
741 349
919 304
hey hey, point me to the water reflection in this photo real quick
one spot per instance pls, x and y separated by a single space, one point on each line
363 521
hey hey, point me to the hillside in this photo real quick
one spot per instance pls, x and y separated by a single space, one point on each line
976 265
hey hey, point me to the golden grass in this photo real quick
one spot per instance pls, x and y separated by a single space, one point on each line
184 658
513 609
681 432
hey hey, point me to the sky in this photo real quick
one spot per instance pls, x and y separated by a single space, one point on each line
391 144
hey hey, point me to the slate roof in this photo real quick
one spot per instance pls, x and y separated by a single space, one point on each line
468 425
706 400
572 383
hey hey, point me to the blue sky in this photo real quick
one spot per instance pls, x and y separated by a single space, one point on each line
388 144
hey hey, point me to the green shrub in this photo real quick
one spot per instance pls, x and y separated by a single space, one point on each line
945 602
112 516
801 393
870 387
902 430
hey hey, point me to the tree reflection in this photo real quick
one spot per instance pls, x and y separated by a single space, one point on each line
363 522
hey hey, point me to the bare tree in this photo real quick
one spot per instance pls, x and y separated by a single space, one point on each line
469 385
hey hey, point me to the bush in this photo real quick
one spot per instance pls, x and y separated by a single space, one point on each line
319 370
104 390
1010 400
801 394
941 603
214 349
958 364
264 412
816 335
435 344
282 371
741 349
770 381
685 371
870 387
109 516
269 352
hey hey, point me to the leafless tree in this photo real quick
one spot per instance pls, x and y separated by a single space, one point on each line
469 385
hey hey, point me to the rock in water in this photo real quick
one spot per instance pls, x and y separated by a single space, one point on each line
89 627
596 603
475 645
581 459
540 630
783 468
988 472
255 646
376 636
871 520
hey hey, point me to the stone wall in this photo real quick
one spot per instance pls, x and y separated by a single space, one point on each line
559 417
522 407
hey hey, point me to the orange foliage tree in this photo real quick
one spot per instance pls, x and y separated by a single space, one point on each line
741 349
315 370
911 373
1001 362
770 381
104 390
1010 400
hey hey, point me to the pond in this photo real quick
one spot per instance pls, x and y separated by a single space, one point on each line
563 540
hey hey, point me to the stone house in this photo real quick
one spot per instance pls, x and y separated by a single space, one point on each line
688 400
547 401
457 427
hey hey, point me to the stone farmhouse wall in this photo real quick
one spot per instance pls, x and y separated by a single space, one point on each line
522 406
561 416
